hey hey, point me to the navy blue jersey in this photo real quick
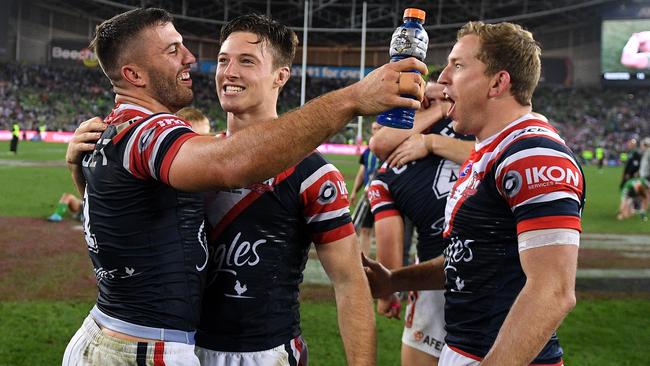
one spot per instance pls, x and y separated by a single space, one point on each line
524 178
419 191
259 241
145 239
370 162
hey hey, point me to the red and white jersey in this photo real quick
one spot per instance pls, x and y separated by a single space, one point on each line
259 242
523 178
145 238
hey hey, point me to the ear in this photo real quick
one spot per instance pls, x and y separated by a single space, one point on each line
133 75
499 84
282 76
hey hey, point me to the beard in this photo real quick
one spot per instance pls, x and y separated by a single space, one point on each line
169 93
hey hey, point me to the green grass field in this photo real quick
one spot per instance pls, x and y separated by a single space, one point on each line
35 331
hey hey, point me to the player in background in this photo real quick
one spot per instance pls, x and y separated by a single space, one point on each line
512 219
199 122
635 195
418 191
636 52
143 227
368 165
260 235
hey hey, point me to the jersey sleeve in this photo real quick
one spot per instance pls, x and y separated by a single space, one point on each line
542 184
326 207
382 204
153 145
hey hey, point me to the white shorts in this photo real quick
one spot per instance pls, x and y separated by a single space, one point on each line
424 322
293 353
450 357
90 346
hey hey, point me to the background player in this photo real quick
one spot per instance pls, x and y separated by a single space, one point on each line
148 159
512 235
634 198
417 190
199 122
67 203
368 165
260 235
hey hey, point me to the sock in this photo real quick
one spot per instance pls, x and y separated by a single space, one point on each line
61 209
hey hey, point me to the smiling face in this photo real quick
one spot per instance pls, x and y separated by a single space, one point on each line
245 77
168 66
466 85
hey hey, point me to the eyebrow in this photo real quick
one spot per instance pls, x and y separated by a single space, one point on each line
240 55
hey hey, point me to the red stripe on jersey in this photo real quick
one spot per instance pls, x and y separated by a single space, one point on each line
158 353
538 175
171 154
233 213
378 194
384 214
549 222
334 234
313 204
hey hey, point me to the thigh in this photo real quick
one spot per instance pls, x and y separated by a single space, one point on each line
424 327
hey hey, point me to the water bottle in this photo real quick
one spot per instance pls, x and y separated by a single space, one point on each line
409 40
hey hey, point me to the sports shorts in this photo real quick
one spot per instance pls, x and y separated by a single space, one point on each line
424 322
456 357
293 353
90 346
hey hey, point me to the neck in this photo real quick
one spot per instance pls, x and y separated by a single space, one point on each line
239 121
140 99
500 114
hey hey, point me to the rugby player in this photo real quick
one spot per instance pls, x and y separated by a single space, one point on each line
512 219
260 235
143 226
418 191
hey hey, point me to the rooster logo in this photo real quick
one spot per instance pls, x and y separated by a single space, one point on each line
239 288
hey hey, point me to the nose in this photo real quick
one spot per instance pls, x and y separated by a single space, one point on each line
189 57
444 76
228 69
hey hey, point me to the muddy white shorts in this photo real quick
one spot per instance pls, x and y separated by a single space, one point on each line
424 322
90 346
293 353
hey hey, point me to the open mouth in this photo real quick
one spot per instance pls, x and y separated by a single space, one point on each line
185 76
232 89
452 104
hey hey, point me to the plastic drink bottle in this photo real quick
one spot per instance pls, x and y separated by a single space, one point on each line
409 40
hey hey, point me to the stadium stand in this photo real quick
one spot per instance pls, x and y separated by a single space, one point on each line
62 97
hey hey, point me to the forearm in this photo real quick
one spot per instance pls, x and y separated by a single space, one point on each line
449 148
77 178
534 316
358 180
388 138
429 275
356 321
389 237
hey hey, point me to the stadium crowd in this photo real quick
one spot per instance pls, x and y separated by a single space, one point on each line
62 97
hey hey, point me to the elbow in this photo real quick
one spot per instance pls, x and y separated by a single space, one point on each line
378 147
567 301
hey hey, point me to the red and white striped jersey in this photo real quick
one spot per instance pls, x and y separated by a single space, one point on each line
523 178
259 241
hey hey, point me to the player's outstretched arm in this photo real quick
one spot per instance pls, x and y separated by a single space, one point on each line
263 150
631 57
82 141
418 146
546 298
353 301
429 275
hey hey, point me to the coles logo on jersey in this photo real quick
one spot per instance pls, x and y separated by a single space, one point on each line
327 193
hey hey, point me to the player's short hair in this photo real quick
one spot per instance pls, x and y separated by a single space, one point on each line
283 41
507 46
195 117
113 37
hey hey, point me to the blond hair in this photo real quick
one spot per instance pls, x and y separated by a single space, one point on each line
508 47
